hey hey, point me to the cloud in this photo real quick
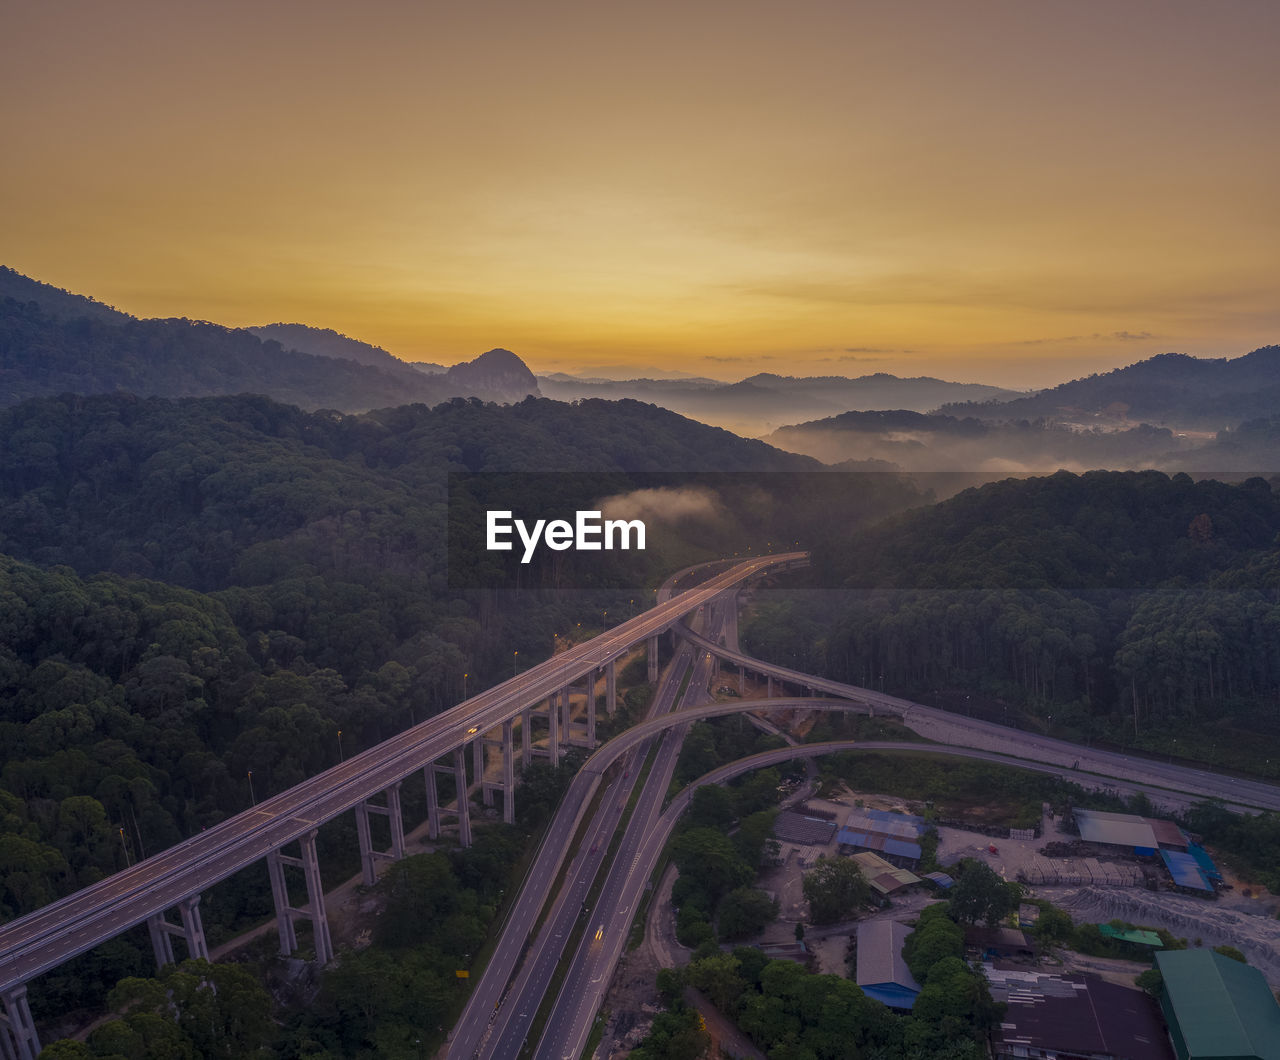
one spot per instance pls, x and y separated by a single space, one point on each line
664 505
1097 336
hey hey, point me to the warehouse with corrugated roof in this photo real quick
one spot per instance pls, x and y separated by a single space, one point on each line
1217 1008
896 836
882 972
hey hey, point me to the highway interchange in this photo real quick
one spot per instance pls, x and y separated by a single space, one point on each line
42 940
496 1024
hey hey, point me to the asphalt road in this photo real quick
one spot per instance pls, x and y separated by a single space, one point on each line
497 1018
945 727
610 919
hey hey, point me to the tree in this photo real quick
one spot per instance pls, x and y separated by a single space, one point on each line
718 978
675 1035
834 889
1053 925
711 807
936 938
1151 982
954 1002
981 895
67 1049
221 1010
744 912
709 858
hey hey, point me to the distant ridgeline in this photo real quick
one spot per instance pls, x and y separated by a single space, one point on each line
53 342
1172 389
1131 598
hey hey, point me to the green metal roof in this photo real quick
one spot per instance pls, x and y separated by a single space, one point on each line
1222 1008
1142 938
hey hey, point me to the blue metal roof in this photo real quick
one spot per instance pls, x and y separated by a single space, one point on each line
1185 870
1204 861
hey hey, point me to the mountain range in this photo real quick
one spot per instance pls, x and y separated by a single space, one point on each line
1171 411
53 341
760 403
1170 390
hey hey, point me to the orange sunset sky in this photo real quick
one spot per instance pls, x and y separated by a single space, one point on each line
1014 193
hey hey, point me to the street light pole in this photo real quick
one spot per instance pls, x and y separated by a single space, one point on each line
464 685
341 756
252 797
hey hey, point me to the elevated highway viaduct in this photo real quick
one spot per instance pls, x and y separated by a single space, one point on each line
145 892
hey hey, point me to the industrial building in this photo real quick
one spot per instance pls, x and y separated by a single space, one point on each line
895 836
1073 1017
882 973
884 877
1189 864
1217 1008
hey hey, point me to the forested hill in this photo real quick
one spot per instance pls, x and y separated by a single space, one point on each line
325 342
1099 530
54 300
1171 389
42 353
311 548
206 492
1116 605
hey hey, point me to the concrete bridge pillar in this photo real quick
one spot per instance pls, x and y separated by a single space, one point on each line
611 686
653 659
18 1038
191 931
526 739
742 681
464 808
433 801
284 910
367 874
287 913
161 940
508 772
553 737
193 928
506 783
477 760
315 899
591 711
768 688
395 816
395 819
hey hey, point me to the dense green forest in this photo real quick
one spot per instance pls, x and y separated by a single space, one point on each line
272 576
1118 604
